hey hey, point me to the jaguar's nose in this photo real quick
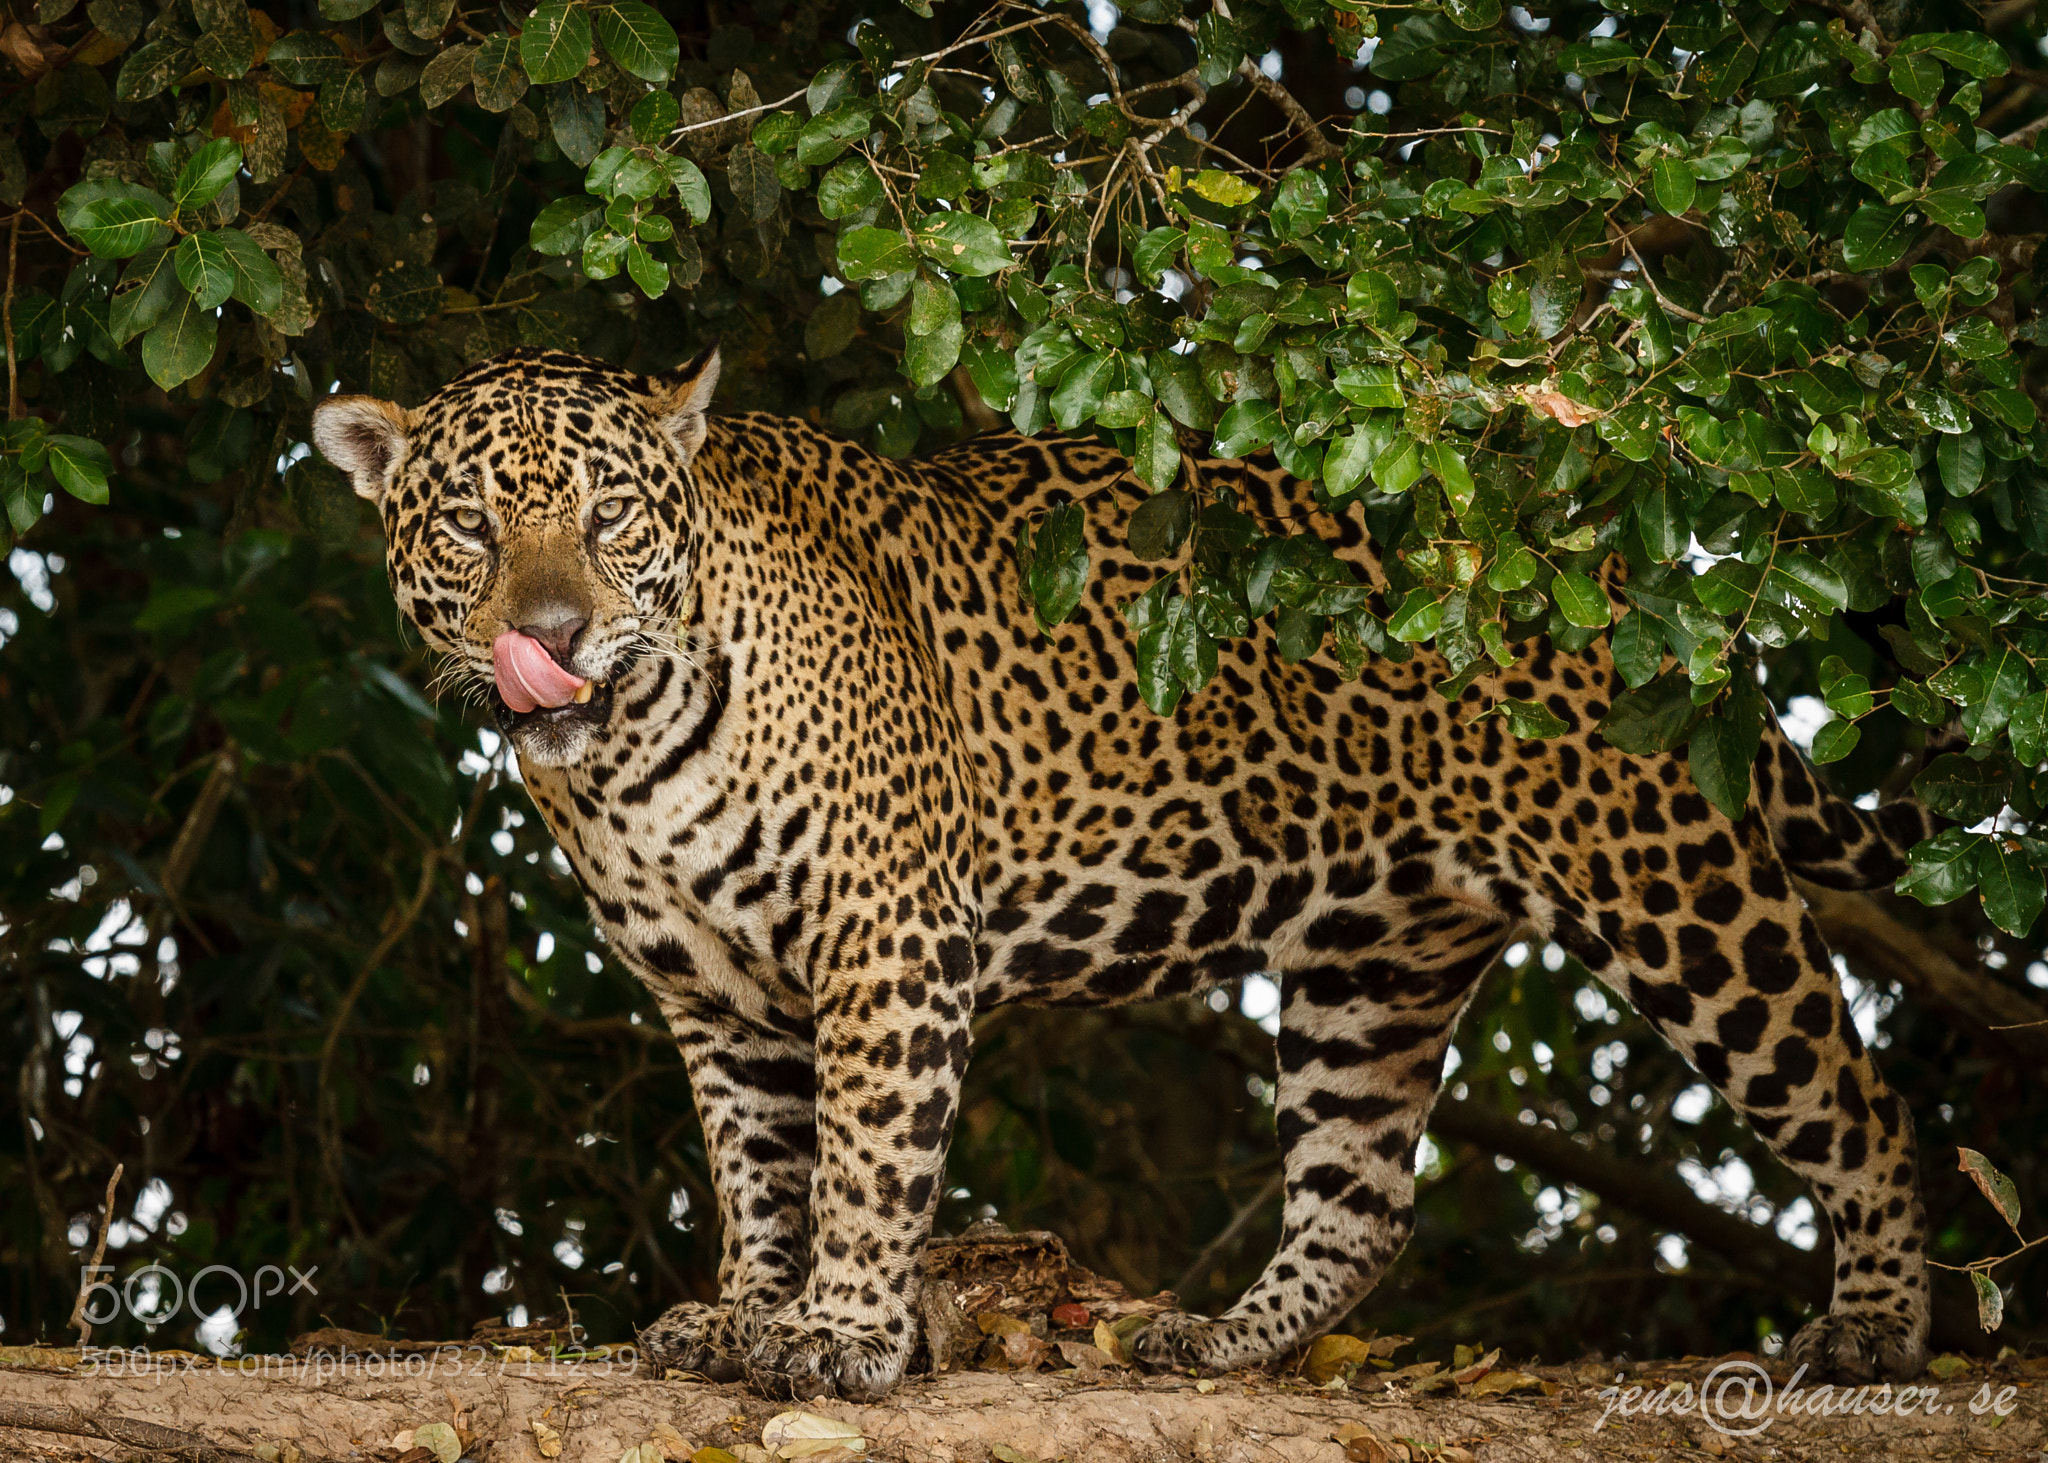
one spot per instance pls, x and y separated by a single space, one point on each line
557 634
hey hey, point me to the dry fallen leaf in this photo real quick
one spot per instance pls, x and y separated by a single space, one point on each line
642 1453
1111 1344
1334 1356
438 1438
996 1323
1414 1373
1502 1381
1205 1386
675 1448
1363 1445
1465 1376
1072 1316
713 1455
1004 1453
1383 1346
806 1435
1942 1368
546 1439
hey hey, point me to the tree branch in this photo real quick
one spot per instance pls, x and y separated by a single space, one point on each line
71 1422
1669 1204
1992 1014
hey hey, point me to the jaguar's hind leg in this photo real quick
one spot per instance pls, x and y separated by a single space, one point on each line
1361 1048
1721 957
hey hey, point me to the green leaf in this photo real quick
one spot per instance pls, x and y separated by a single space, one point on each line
963 243
993 370
2027 729
1638 646
1081 390
114 220
1301 206
81 467
932 332
180 345
1720 762
153 66
306 58
554 43
1246 427
1581 600
1058 573
446 75
1942 868
1370 385
1531 720
1418 618
636 36
1878 236
1960 788
1990 1301
1346 463
1961 460
1156 252
1675 185
692 191
1917 78
498 79
1158 458
2009 885
869 253
1449 466
655 115
1223 188
206 173
1161 524
203 268
1970 52
646 271
1835 740
1656 718
565 225
849 186
258 283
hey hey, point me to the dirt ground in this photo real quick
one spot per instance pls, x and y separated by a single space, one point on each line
504 1410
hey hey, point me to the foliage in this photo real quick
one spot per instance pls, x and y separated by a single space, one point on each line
1741 297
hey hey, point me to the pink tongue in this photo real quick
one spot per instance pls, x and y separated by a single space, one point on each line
528 676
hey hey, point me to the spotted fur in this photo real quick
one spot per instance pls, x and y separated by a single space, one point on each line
837 794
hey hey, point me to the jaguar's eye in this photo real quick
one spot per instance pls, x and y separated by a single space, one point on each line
469 520
611 509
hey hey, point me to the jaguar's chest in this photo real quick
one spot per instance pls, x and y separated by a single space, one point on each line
679 849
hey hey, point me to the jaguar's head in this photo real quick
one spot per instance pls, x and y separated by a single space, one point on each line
538 511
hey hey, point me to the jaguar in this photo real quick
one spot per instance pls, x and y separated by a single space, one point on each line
830 791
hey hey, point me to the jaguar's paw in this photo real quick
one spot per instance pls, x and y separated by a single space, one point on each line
707 1340
1860 1347
805 1358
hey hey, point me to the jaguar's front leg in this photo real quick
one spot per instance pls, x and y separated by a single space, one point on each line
892 1034
756 1091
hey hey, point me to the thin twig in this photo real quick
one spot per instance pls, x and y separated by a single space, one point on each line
7 320
78 1321
406 918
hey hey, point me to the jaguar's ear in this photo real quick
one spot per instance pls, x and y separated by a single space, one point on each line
365 438
681 399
